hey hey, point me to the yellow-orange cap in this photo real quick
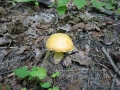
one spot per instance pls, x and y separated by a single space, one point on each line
59 42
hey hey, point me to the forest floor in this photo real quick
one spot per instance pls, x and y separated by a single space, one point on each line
94 63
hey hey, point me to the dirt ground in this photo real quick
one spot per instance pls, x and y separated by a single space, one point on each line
24 29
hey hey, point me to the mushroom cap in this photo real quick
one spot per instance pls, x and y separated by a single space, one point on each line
59 42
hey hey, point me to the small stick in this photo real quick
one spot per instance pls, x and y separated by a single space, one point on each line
111 61
113 82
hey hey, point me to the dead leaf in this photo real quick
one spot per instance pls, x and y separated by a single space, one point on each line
3 53
45 26
3 28
66 27
39 53
96 33
91 26
5 40
81 58
47 79
78 26
74 85
105 74
118 65
21 50
108 40
67 61
86 16
86 49
2 11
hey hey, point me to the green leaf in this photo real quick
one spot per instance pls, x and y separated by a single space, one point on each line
34 73
53 4
23 0
56 74
34 68
39 72
42 72
8 87
36 3
118 10
109 6
54 88
45 85
80 3
62 2
30 77
13 3
97 4
21 72
24 89
61 10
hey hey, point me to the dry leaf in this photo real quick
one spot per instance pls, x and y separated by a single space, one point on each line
67 61
39 53
3 53
91 26
74 85
5 40
81 58
21 50
105 74
66 27
45 26
86 49
78 26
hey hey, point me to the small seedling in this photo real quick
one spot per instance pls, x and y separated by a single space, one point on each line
36 73
56 74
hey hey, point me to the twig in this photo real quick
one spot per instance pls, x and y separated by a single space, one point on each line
113 82
109 13
111 61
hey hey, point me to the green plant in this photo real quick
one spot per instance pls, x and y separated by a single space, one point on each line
36 73
56 74
62 4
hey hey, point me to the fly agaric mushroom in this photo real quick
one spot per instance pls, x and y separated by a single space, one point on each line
59 43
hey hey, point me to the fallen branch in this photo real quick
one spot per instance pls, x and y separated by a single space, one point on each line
109 13
111 61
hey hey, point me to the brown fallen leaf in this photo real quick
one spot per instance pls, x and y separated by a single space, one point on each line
74 85
5 40
67 61
91 26
106 74
21 50
3 53
39 54
78 26
87 16
81 56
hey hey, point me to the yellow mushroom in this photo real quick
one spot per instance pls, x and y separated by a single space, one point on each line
59 43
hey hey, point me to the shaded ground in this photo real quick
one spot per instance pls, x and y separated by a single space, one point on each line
24 30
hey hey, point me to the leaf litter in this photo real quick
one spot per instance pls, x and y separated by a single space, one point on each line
22 43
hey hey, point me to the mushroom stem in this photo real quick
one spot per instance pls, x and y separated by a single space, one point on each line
58 56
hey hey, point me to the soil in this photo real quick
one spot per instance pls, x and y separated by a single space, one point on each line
24 29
